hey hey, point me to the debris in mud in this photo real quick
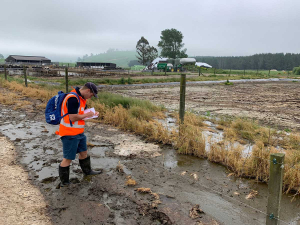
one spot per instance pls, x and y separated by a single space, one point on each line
119 168
230 174
144 190
195 212
155 195
155 204
252 194
236 193
90 144
130 181
195 176
183 173
156 201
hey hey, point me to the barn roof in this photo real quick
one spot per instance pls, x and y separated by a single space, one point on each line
33 58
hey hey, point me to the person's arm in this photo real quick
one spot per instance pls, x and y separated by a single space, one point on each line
72 105
77 117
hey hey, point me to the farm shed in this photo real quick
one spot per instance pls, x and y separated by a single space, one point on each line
19 59
97 65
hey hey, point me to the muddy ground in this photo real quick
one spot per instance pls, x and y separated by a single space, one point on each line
273 103
178 183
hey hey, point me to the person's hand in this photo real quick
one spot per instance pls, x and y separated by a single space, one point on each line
89 114
96 113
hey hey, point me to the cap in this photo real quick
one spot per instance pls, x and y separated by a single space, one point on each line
92 87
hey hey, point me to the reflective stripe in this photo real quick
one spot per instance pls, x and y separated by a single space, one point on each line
75 125
65 128
65 103
62 121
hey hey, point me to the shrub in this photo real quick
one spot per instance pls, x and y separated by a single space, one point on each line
296 70
122 81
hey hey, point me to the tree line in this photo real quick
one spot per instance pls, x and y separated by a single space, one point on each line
267 61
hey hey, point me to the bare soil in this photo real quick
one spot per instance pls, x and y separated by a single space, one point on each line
178 183
273 103
29 177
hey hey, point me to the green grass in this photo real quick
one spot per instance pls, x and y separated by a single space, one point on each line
112 100
67 64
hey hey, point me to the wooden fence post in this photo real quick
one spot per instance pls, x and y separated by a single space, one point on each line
269 73
182 97
275 188
66 77
199 70
25 75
5 75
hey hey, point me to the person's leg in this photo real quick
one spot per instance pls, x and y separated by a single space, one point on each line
82 155
70 145
84 159
65 162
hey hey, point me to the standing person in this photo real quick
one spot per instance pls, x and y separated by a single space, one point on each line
72 136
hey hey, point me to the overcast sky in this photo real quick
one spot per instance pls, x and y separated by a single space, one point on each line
67 29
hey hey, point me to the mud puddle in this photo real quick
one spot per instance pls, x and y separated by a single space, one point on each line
222 195
180 181
212 136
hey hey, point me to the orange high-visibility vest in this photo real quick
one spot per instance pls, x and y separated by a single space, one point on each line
65 128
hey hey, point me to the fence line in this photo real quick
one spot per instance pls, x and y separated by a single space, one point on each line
248 155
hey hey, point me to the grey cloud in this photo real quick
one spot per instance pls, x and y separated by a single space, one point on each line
73 28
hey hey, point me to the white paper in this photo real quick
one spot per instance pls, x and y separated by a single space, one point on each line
90 110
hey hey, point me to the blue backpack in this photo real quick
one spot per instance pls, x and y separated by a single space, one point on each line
53 108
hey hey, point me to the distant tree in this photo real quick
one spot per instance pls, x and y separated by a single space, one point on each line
110 50
79 59
171 44
133 62
92 54
84 57
264 61
146 53
1 56
152 54
142 49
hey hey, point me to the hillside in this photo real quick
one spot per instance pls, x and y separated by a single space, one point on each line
121 58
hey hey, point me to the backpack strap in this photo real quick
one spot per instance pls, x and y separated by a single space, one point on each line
76 95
